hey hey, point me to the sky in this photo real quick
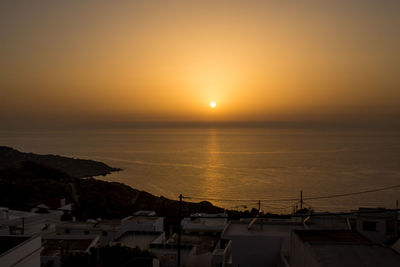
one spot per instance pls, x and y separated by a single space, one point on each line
161 61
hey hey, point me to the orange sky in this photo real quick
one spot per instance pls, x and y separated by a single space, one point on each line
167 60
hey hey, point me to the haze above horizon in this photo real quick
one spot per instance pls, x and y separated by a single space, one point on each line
166 61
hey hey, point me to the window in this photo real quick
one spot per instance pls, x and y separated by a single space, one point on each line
67 231
369 226
353 224
391 227
171 257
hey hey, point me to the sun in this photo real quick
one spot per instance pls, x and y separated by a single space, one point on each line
213 104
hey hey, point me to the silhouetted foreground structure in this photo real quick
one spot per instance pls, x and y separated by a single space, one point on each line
142 239
50 218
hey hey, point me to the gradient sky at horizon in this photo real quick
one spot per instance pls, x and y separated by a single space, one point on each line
122 61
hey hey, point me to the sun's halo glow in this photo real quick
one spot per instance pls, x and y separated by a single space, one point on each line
213 104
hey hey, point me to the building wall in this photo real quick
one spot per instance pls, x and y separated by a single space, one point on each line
199 260
380 234
168 257
255 250
104 239
56 261
26 254
301 254
150 225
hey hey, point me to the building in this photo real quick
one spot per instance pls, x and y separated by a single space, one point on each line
20 251
257 242
203 231
106 230
140 239
57 246
28 223
200 234
377 224
167 254
329 248
141 230
202 223
143 221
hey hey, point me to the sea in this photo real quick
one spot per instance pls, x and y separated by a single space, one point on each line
238 167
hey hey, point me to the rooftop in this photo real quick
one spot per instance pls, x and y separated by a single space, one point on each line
52 247
376 212
356 255
100 225
15 214
9 242
209 215
346 248
262 227
204 224
331 237
145 213
139 218
203 243
137 239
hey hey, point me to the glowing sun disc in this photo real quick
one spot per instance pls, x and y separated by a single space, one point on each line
213 104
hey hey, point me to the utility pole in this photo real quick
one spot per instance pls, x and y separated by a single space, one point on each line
179 229
301 203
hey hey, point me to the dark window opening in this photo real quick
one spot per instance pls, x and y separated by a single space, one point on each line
391 227
369 226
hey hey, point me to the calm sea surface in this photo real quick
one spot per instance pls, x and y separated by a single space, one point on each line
237 163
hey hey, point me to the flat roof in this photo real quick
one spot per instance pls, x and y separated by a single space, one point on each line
204 224
133 239
329 255
9 242
347 248
145 213
331 236
141 218
52 247
203 243
16 214
327 222
101 225
260 228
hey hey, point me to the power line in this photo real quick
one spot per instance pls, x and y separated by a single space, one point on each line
354 193
296 199
239 200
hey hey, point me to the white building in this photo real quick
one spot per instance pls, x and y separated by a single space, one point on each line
54 247
106 230
140 239
203 232
142 221
28 223
257 242
141 230
20 251
200 235
315 248
167 254
377 224
202 223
